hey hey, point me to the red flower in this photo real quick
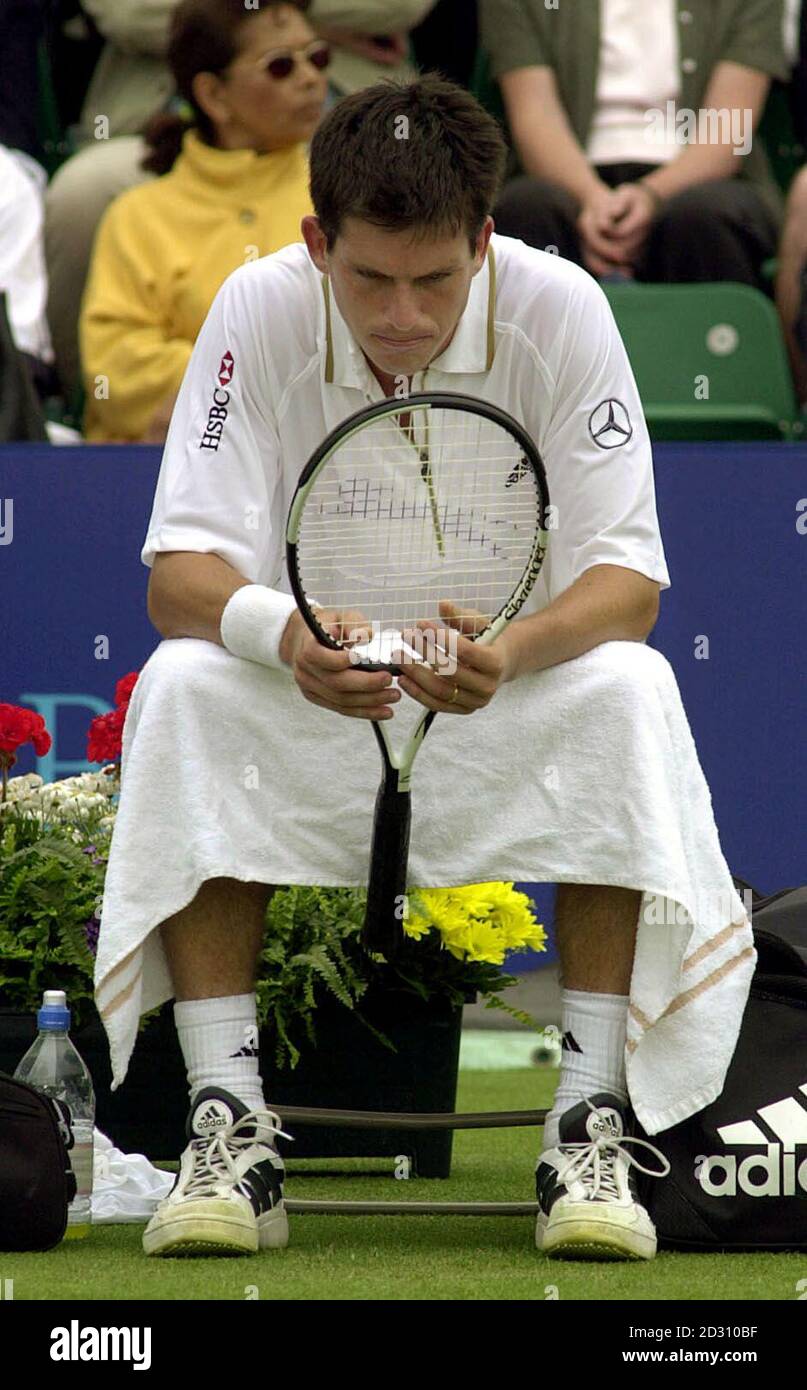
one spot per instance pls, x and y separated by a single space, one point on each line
124 688
18 726
104 736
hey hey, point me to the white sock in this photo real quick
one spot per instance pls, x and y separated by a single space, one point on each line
593 1057
219 1041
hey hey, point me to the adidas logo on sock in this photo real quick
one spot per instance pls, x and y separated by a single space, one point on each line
770 1174
569 1043
246 1051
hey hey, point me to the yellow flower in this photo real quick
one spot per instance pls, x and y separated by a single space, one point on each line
481 921
437 906
512 912
486 943
533 938
458 941
475 899
416 926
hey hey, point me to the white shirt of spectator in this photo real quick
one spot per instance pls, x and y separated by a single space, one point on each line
22 257
638 72
275 368
791 20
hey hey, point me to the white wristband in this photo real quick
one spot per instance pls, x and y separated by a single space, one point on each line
253 622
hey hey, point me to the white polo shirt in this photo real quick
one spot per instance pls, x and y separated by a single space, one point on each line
275 368
638 73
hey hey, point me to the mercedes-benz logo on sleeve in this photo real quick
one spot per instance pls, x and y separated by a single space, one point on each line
610 425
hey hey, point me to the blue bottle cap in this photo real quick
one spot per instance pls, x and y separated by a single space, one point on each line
54 1015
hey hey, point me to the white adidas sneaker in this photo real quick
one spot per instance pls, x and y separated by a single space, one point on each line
589 1208
228 1196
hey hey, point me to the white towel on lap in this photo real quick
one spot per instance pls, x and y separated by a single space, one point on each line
583 773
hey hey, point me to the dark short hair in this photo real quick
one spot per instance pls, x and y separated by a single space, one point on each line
420 154
203 36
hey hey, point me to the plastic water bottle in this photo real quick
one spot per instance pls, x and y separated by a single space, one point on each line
53 1066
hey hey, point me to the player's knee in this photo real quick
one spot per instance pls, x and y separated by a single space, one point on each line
626 668
178 667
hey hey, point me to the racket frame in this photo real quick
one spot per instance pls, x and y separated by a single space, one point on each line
392 802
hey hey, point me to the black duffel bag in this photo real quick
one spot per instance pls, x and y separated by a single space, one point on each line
37 1183
738 1178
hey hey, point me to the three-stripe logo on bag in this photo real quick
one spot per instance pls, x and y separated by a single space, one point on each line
771 1174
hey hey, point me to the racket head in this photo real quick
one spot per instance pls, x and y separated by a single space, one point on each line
387 521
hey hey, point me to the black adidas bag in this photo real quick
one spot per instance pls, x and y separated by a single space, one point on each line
738 1176
37 1182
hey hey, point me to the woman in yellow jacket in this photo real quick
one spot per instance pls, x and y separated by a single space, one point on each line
237 189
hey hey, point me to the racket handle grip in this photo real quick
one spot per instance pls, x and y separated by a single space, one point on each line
383 918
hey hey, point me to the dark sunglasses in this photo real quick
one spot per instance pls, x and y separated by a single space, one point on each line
282 64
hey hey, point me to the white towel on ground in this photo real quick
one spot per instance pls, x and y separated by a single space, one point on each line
125 1187
583 773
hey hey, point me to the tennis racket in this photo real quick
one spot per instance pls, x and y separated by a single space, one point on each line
408 502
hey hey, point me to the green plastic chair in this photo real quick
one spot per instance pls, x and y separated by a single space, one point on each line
709 361
484 86
55 144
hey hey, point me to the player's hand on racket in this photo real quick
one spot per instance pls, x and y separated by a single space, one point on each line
466 676
327 677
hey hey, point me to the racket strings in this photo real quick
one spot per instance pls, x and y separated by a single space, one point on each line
395 522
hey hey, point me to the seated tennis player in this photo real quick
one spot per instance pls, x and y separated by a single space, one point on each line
562 752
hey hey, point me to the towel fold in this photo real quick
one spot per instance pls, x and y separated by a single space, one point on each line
584 773
125 1187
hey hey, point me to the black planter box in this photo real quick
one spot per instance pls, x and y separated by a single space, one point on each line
347 1070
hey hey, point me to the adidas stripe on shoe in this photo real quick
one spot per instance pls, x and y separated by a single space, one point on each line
589 1208
228 1196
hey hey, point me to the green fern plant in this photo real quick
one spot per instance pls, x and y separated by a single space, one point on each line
311 947
51 888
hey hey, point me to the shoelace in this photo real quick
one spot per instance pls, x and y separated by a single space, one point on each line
595 1162
213 1158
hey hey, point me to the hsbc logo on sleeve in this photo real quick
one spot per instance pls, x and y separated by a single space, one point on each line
217 414
226 369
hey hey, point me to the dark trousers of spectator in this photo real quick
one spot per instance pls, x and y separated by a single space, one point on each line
22 26
721 230
446 40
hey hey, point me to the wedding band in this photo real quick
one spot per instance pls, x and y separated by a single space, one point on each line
454 696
